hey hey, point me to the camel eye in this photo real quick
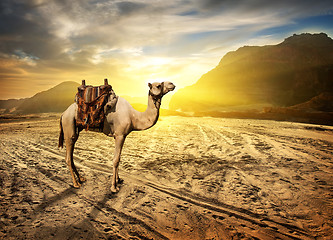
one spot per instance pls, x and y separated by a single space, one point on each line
158 86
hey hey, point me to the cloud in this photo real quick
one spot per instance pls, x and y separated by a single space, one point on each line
127 8
45 29
56 39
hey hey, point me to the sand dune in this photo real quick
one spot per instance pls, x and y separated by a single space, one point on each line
185 178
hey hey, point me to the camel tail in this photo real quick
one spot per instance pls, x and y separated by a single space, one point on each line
61 135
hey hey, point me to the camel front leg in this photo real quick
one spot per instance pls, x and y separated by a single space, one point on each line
119 143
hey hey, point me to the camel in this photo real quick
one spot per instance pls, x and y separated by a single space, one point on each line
120 120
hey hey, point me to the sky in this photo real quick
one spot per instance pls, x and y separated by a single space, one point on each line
46 42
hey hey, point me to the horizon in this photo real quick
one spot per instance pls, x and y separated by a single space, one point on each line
133 43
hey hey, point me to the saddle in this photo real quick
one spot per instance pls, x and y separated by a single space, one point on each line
91 102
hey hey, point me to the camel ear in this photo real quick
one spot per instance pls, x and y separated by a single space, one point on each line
150 86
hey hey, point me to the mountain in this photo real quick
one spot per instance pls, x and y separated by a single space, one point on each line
56 99
290 73
10 105
321 103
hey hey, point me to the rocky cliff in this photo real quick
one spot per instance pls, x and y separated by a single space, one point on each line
290 73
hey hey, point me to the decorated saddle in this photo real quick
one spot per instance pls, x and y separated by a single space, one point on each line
91 102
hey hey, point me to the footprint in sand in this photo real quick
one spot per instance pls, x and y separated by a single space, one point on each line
181 207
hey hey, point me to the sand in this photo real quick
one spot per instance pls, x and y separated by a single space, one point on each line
185 178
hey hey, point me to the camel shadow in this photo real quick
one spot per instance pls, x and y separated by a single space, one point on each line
50 201
91 226
124 220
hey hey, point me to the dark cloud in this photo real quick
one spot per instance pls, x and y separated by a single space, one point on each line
213 4
23 28
45 29
288 8
127 8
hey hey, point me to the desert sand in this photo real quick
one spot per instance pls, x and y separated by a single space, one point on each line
185 178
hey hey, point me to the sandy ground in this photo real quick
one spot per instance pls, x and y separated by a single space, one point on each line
185 178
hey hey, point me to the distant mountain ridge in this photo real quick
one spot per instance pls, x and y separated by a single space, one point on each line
290 73
56 99
322 103
10 105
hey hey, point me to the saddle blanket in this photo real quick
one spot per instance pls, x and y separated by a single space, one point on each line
91 101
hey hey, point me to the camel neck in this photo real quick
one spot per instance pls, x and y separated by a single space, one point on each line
148 118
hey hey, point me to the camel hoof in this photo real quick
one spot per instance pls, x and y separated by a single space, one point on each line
114 189
77 185
120 181
82 179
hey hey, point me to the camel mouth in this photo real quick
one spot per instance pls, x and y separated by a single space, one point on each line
171 88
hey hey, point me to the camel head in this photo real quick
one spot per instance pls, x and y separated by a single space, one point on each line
158 90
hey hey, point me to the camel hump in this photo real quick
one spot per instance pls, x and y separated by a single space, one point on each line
91 101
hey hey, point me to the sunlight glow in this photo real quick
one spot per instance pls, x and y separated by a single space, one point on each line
133 43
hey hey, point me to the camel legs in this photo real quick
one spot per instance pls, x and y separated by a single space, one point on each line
119 143
69 160
70 133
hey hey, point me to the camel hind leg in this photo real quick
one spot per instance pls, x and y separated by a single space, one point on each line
76 177
70 135
70 162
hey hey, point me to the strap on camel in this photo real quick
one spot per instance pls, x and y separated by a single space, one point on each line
91 101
